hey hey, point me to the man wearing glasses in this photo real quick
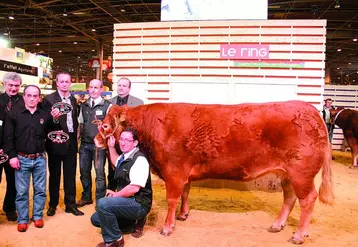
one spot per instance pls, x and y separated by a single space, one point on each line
132 199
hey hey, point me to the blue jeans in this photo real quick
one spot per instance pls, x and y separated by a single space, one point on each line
111 211
87 156
330 129
37 168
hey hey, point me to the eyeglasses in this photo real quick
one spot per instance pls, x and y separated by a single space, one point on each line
125 141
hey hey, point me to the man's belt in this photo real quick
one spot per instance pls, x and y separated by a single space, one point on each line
31 156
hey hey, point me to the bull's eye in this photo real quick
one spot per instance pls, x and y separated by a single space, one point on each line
105 126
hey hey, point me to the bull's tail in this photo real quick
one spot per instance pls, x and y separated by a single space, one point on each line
326 189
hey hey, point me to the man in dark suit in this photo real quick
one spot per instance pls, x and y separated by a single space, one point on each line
64 153
123 98
10 100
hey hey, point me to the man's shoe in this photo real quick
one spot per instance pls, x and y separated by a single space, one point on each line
39 223
82 203
117 243
11 216
22 227
139 226
74 211
51 211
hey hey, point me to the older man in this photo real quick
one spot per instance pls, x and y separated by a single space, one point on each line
11 99
93 109
66 153
123 98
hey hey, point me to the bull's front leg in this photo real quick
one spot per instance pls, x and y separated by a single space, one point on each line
174 191
184 210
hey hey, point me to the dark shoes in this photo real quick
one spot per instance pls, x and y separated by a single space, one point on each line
82 203
51 211
139 226
74 211
11 216
118 243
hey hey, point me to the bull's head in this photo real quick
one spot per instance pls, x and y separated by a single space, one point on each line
334 112
113 124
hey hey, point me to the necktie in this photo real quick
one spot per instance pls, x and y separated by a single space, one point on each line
9 105
120 160
92 103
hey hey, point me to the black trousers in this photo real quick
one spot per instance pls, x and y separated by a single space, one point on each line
10 195
69 163
111 182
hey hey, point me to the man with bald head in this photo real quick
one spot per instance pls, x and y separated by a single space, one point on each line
95 108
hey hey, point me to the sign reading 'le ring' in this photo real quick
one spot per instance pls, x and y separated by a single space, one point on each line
58 136
3 158
63 107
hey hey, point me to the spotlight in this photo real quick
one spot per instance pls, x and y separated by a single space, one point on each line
6 33
339 49
11 17
93 30
75 43
355 40
337 5
59 50
38 44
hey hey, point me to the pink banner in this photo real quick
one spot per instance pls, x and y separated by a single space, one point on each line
249 51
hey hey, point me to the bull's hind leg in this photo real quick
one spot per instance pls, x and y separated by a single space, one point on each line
174 191
184 210
354 151
289 199
307 201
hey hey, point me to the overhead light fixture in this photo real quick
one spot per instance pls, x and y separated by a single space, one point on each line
349 63
38 44
4 43
64 12
338 68
75 43
6 33
355 40
78 57
11 17
93 50
123 10
337 5
93 30
339 49
59 50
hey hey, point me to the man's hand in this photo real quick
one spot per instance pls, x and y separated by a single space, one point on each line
55 113
15 163
111 141
111 193
1 151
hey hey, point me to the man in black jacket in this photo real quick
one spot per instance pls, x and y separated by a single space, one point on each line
65 153
10 100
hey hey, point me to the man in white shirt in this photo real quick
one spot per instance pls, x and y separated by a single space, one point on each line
132 199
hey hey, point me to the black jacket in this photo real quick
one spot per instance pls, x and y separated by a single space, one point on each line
63 148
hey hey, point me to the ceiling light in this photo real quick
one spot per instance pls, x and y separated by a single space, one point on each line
6 33
338 68
78 57
92 49
11 17
337 5
349 63
354 40
93 30
38 44
59 50
64 14
123 10
339 49
4 43
75 43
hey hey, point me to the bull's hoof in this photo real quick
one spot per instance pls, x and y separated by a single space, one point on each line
166 232
183 217
274 229
296 241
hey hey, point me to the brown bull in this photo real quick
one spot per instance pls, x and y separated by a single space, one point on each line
186 142
347 120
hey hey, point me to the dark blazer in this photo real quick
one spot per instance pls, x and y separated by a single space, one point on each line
4 98
48 102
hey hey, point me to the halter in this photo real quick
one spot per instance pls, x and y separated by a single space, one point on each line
335 118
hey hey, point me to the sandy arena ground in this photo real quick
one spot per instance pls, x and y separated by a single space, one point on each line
218 217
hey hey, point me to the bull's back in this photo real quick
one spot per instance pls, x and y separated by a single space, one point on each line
232 141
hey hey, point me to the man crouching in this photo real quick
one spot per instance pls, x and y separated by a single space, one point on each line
132 199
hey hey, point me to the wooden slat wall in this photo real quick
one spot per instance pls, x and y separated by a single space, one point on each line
163 53
346 96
